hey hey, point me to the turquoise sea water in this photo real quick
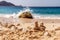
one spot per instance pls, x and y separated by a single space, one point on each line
35 10
9 9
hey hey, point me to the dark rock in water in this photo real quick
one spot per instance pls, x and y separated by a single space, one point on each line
4 3
26 15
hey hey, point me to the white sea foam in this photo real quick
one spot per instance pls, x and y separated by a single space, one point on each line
8 15
34 15
46 16
14 14
22 11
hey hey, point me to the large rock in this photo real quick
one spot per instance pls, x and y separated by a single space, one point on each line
26 15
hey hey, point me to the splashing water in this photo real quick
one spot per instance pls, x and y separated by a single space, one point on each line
24 10
16 15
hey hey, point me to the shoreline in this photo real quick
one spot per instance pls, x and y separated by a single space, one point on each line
34 16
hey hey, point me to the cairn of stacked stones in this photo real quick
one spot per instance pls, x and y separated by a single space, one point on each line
36 26
39 28
42 27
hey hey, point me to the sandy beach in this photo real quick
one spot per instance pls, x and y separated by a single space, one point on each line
23 29
29 19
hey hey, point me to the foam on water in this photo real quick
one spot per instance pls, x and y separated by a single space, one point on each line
14 14
34 15
22 11
37 16
8 15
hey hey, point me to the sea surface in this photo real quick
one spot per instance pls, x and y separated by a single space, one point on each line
37 11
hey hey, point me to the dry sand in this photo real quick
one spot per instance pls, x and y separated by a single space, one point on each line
23 29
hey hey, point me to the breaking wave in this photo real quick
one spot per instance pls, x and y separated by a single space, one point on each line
35 15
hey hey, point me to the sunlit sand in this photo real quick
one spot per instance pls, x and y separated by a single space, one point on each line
14 28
